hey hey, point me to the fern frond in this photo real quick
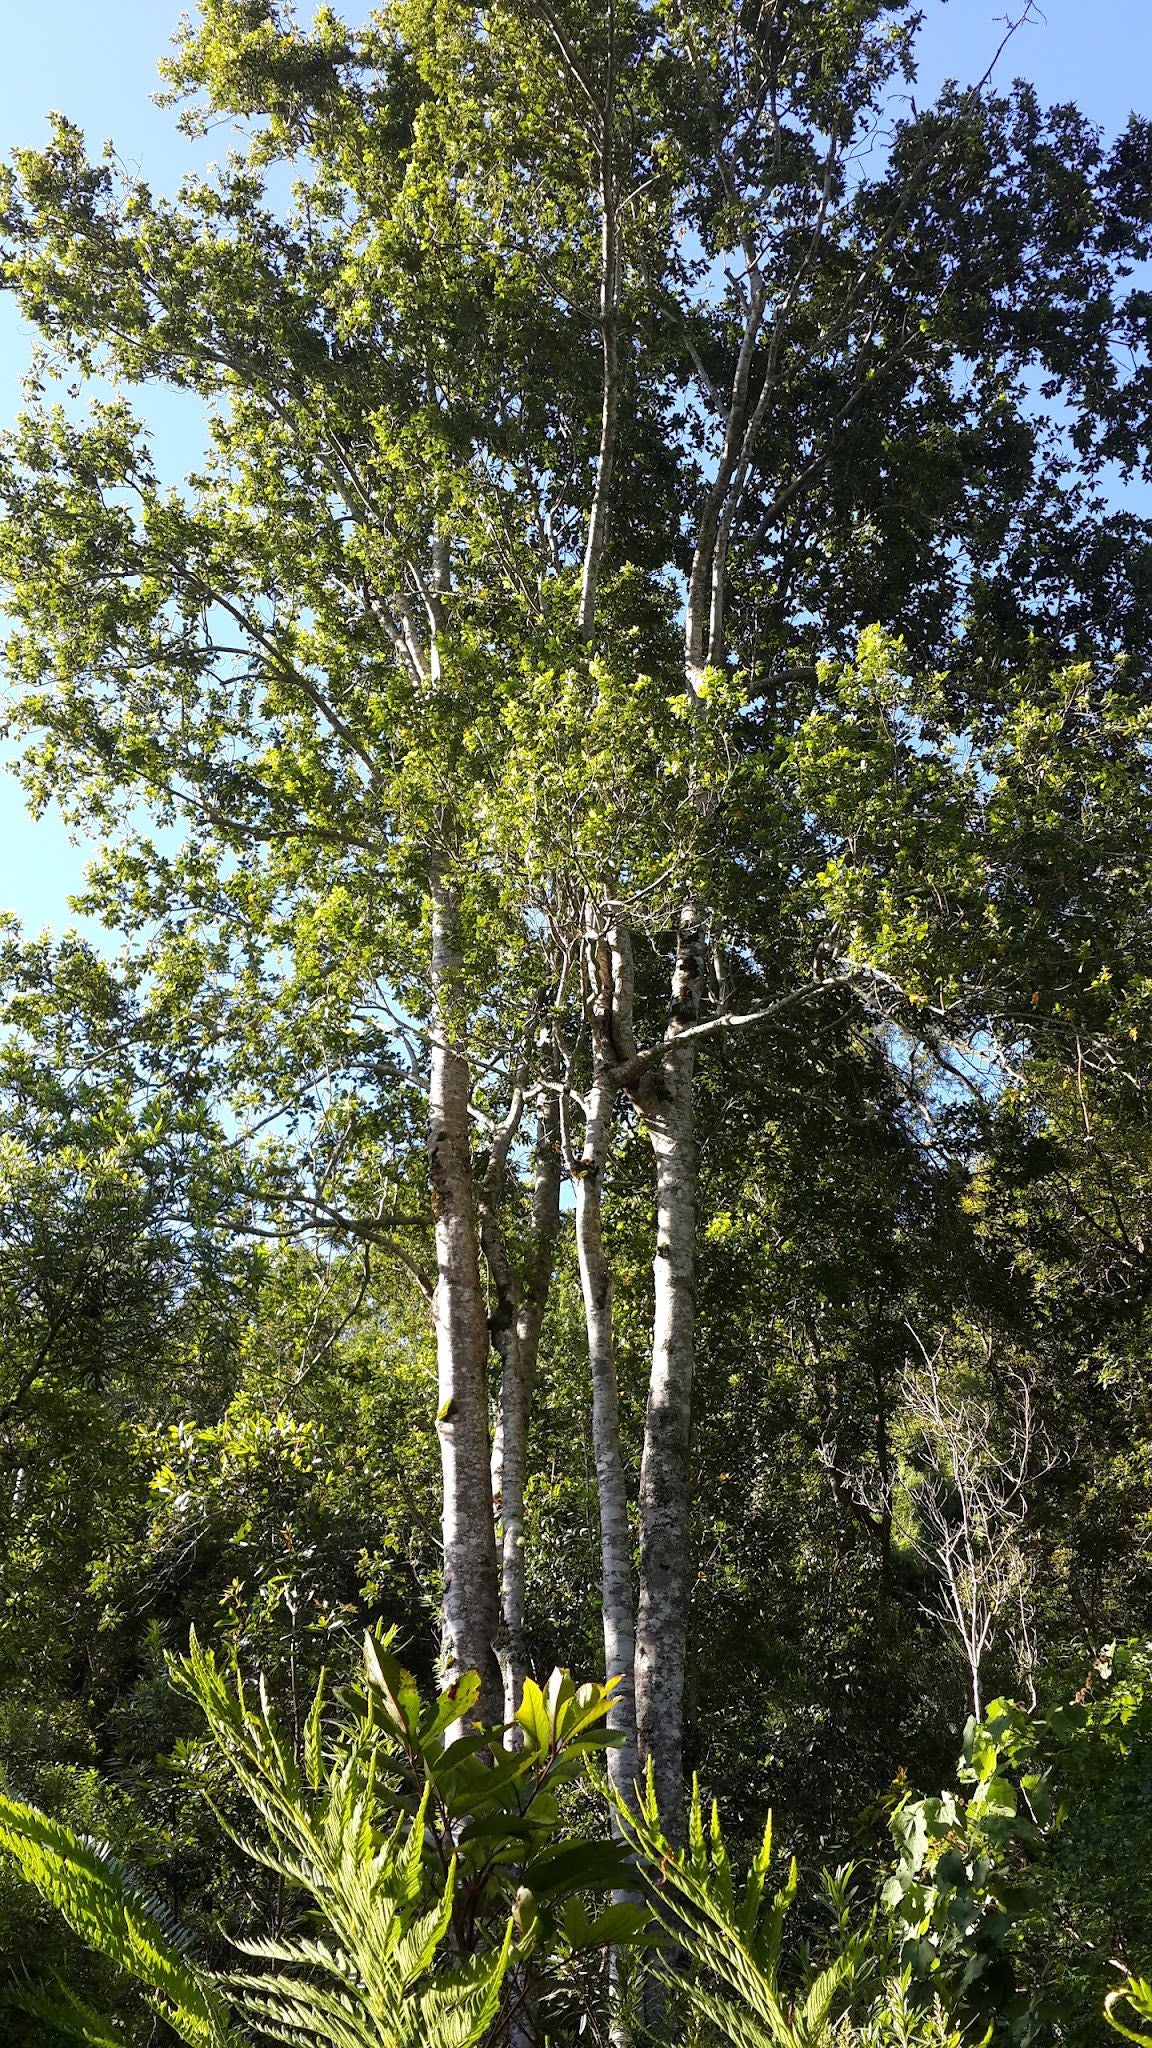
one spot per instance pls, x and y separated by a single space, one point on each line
721 1867
816 2010
313 1736
307 2013
66 2013
735 2024
733 1949
456 2011
298 1951
113 1913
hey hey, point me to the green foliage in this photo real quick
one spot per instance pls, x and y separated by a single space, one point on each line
1093 1910
427 1857
962 1881
1016 1896
107 1907
724 1958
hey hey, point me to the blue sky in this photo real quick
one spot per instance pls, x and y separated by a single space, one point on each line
95 60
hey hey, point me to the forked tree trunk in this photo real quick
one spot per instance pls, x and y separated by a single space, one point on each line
470 1609
665 1569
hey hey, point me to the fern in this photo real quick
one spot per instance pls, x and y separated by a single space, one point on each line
102 1902
732 1941
379 1979
727 1944
376 1986
373 1976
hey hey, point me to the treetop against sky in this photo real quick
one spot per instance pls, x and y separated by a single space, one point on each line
97 65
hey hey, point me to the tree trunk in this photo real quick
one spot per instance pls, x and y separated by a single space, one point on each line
608 1002
662 1621
884 1474
470 1611
509 1472
611 1484
516 1326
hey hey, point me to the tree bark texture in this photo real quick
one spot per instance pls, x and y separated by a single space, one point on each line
516 1323
611 1484
665 1568
470 1618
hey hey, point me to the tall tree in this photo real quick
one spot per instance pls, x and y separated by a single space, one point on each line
604 376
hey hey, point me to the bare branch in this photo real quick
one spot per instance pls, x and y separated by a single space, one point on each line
979 1462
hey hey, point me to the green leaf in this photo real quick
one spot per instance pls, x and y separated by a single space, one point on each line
396 1689
619 1925
579 1866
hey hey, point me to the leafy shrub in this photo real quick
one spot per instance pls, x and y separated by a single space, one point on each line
1094 1908
1017 1895
964 1876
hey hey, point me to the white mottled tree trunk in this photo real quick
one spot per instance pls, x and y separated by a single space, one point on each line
611 1484
516 1325
665 1566
470 1616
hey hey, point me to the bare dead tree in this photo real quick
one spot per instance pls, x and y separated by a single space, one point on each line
979 1462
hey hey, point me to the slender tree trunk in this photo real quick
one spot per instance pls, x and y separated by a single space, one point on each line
470 1610
611 1484
610 389
516 1326
662 1620
608 1009
884 1473
509 1473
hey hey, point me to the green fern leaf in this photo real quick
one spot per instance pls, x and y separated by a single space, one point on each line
101 1902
